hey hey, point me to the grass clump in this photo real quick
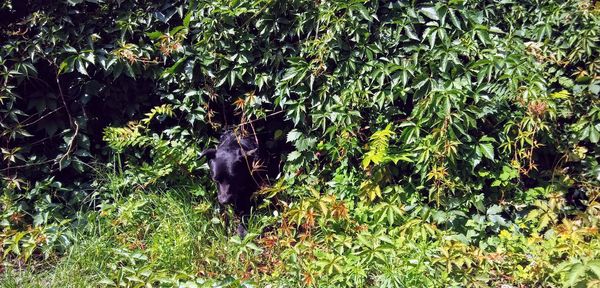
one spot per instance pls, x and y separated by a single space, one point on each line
142 239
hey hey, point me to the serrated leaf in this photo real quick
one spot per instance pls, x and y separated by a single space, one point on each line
454 19
494 209
134 279
386 239
576 272
474 160
293 155
293 135
594 265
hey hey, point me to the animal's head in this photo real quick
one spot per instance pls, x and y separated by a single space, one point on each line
230 165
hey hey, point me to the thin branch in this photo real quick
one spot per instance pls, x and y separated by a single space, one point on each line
255 120
42 117
32 144
27 165
71 122
69 149
62 97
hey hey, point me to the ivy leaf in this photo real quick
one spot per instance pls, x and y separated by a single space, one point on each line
174 68
80 67
410 32
475 159
364 13
487 150
66 65
430 13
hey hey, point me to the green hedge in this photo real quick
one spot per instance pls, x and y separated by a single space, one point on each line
469 107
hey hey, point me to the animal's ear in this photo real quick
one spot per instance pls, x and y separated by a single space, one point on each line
209 153
249 152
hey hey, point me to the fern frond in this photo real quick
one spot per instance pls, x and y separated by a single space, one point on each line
378 146
563 94
168 157
162 110
118 138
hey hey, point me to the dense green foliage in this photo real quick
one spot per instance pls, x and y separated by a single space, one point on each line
435 143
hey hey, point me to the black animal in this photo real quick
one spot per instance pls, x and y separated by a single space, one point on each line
234 170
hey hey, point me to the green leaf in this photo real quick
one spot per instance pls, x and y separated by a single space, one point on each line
487 149
430 13
364 13
495 29
80 67
594 266
232 76
454 19
253 246
293 155
410 32
432 37
487 139
186 19
595 89
107 281
293 135
594 134
66 65
577 271
154 35
69 49
174 68
475 159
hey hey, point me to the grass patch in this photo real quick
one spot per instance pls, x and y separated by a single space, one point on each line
173 239
165 237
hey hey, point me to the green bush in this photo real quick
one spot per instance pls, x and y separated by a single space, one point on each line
434 143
